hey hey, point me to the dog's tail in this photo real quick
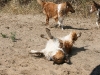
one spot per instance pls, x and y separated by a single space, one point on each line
41 2
38 53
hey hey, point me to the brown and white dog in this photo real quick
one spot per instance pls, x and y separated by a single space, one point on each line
96 7
57 49
56 11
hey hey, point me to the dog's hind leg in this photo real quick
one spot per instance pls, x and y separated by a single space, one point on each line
43 36
49 33
39 53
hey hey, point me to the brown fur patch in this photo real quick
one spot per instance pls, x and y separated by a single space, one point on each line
58 57
74 36
68 44
68 47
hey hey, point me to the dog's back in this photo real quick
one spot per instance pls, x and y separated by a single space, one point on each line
50 9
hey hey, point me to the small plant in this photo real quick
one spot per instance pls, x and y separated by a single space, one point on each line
13 36
4 35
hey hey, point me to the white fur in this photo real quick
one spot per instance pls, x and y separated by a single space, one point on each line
60 19
98 12
97 24
51 48
59 9
67 38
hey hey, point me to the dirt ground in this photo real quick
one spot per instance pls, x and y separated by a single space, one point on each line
16 60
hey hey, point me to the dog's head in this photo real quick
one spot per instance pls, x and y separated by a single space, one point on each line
59 57
69 7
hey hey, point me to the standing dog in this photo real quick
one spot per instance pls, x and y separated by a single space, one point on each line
56 11
57 49
96 7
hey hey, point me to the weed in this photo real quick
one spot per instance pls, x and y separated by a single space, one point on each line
4 35
13 37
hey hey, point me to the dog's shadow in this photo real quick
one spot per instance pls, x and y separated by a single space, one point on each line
70 27
76 50
67 27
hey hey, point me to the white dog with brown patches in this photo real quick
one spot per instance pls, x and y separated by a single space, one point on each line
57 49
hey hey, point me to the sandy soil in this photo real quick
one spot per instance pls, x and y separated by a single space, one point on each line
16 60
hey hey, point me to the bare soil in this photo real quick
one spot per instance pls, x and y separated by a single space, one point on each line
16 60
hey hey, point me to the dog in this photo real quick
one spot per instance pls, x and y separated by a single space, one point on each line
57 49
56 11
96 7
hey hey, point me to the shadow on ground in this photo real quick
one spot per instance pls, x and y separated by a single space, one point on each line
69 27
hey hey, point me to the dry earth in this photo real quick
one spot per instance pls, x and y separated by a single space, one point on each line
16 60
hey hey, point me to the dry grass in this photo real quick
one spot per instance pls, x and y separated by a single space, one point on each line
32 7
16 8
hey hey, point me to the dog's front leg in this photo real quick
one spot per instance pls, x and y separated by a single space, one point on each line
98 18
97 22
60 21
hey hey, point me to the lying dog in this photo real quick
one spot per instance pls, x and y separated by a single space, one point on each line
96 7
57 49
56 11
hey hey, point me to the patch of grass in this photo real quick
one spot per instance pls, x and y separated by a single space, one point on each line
82 7
15 7
4 35
13 37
